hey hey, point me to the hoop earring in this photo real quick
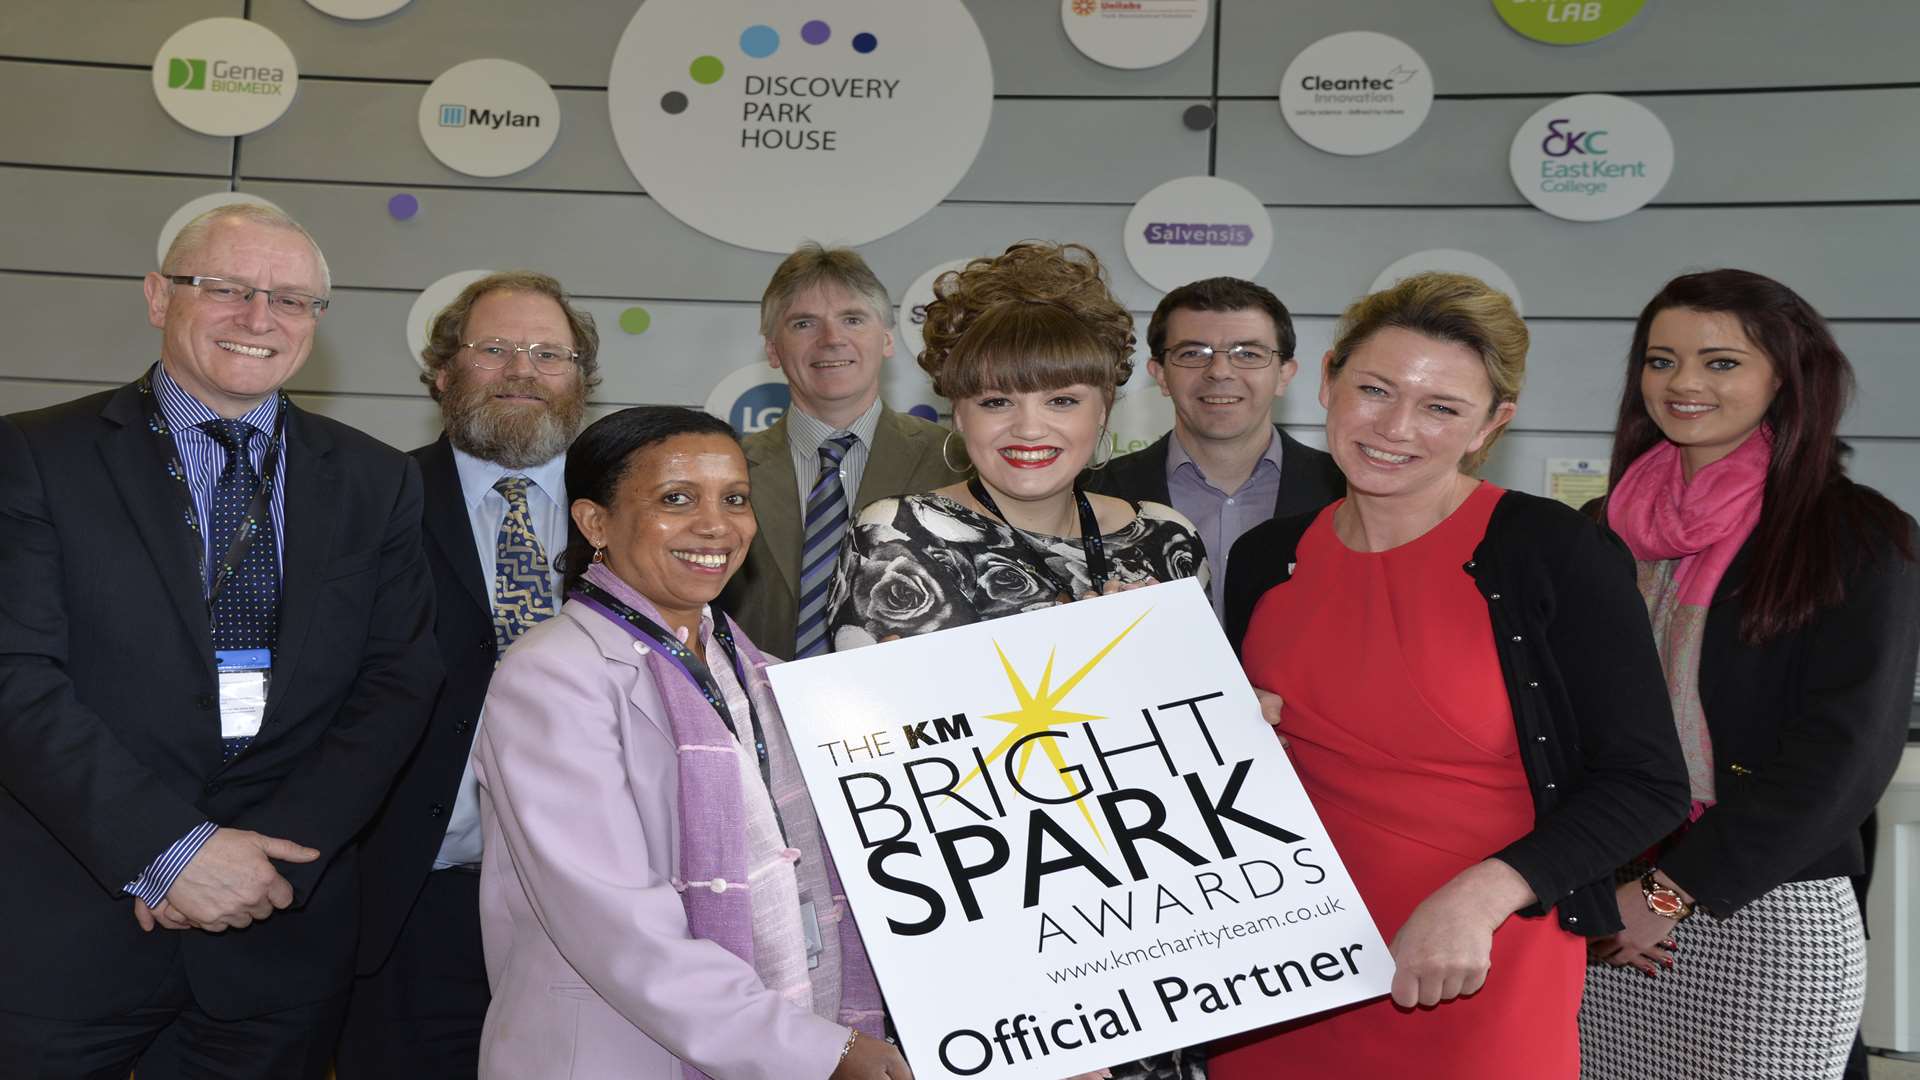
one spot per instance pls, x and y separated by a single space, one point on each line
599 555
1108 443
965 466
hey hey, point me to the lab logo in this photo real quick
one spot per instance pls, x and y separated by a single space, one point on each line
186 74
1591 157
752 398
453 116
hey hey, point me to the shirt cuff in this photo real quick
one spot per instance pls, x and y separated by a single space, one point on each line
153 882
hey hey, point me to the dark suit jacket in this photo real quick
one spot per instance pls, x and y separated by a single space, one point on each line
764 597
109 730
1309 479
1807 730
398 851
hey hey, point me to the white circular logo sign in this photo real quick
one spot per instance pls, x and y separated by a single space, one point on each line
1133 33
489 117
752 398
902 382
763 123
193 208
431 301
225 76
1452 261
1197 227
1356 93
1591 157
358 9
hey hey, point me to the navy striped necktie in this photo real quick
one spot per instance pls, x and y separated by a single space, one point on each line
826 525
246 612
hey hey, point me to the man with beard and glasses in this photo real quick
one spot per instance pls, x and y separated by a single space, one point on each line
511 362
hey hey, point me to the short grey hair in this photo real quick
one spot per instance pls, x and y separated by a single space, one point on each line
193 235
811 265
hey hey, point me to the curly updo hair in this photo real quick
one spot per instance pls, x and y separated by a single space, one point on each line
1037 317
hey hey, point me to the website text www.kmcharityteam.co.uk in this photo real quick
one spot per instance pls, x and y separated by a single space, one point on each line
1199 939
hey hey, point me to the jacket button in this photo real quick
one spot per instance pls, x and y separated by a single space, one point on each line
437 810
461 727
1571 919
1551 786
205 701
1539 738
486 644
1534 685
1516 637
1493 596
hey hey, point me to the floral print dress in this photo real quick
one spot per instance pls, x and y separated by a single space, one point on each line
921 563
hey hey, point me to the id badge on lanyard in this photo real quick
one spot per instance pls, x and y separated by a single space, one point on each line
243 690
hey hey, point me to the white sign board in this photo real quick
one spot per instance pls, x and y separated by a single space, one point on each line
763 123
193 208
430 303
1197 227
751 398
489 117
1591 157
1358 92
1070 840
1133 33
225 76
358 10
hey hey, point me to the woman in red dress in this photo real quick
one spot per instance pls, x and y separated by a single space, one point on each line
1471 698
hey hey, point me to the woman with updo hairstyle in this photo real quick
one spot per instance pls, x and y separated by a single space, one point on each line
1031 347
1786 603
1470 695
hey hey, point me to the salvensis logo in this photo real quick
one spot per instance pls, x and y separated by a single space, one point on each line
1174 232
186 74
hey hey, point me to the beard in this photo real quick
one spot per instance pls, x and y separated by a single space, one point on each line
516 436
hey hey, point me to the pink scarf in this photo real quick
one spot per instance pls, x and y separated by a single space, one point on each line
1684 534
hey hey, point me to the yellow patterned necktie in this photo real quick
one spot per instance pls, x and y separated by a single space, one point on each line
522 576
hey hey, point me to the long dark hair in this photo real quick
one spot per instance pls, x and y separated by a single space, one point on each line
599 459
1816 526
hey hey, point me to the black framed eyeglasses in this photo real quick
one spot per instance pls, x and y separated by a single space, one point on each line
1195 355
492 354
219 290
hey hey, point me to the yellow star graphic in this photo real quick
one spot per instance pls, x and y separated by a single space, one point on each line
1040 711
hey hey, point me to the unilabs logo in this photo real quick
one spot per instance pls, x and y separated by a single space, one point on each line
1205 235
225 77
453 116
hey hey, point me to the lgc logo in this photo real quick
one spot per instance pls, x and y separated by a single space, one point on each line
759 408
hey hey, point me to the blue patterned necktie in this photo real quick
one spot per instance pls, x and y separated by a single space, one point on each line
246 612
522 576
825 527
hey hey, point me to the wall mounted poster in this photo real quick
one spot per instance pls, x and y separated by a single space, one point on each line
1357 92
1133 33
1567 22
1591 157
225 76
1064 847
764 123
489 117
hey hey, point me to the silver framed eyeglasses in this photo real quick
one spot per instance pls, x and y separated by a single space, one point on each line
492 354
1192 354
219 290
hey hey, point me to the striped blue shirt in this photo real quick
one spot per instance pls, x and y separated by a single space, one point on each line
204 459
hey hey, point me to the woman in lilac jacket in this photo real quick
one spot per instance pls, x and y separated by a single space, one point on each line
656 901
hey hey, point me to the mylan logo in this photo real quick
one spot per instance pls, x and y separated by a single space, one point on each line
186 74
486 117
453 116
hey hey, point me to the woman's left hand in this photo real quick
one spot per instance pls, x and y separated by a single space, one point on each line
1112 587
1648 940
1446 946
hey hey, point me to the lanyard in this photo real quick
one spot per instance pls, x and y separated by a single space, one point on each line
1090 539
256 509
691 666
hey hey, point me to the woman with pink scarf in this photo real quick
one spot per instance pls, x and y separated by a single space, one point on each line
656 902
1786 605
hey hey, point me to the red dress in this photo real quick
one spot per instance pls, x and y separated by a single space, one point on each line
1398 723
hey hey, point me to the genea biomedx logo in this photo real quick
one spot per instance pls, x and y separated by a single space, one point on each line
225 77
453 116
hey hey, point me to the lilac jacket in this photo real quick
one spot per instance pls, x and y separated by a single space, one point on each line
588 954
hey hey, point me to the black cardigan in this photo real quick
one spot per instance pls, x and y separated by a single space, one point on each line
1807 730
1589 699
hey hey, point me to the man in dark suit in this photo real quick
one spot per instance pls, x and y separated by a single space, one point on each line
826 319
511 362
1222 349
214 656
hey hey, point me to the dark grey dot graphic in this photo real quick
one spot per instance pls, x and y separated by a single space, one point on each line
673 102
1198 117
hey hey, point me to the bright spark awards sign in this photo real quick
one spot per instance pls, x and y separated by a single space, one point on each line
1071 841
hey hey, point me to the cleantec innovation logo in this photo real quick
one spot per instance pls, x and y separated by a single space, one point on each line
1591 157
1357 92
225 76
489 117
763 127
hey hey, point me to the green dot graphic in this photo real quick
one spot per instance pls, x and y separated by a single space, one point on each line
706 70
635 320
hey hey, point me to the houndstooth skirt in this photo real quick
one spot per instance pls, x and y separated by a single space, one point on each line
1773 993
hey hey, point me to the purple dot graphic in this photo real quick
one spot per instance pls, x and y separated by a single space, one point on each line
403 206
924 412
865 42
815 32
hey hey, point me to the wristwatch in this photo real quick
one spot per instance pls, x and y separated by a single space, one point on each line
1663 901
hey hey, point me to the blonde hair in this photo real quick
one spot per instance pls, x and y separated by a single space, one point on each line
449 329
1445 307
1037 317
193 235
811 265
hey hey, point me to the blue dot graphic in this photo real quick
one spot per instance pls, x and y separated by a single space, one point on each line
924 412
759 41
865 43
